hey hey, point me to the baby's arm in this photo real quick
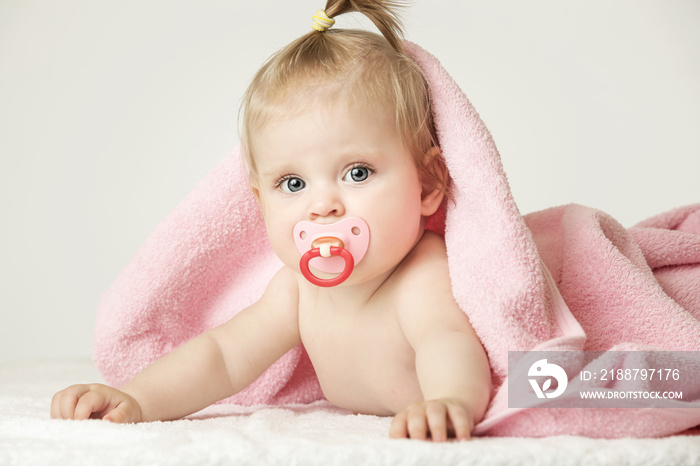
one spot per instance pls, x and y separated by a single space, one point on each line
212 366
451 364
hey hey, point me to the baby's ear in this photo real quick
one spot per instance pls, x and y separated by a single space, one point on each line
434 179
255 188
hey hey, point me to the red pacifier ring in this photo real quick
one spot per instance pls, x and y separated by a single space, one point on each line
335 251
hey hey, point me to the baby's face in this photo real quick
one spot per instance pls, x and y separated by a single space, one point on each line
334 162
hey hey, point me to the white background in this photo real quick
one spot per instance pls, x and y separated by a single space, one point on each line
111 111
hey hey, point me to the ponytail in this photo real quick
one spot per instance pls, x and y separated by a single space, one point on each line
381 12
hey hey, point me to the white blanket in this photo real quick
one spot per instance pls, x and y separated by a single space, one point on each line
297 434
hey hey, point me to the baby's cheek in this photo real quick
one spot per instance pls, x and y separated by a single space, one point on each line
405 215
287 251
281 241
399 231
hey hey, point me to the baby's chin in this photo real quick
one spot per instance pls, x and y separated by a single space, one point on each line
361 275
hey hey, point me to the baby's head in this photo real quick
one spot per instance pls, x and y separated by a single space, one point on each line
354 66
331 113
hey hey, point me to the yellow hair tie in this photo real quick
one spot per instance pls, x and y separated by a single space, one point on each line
321 21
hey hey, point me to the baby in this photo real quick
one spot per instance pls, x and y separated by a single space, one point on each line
338 136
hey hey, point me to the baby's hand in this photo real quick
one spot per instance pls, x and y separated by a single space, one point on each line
440 418
95 401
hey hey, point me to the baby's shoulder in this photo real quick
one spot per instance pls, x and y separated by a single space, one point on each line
424 292
425 265
282 291
285 280
432 244
429 252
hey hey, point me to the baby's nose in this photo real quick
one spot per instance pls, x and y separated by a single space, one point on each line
326 204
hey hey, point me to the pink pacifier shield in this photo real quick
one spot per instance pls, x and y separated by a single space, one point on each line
352 231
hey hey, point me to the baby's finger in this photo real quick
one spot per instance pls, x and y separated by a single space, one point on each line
69 399
56 405
461 421
398 426
123 413
437 414
417 426
90 402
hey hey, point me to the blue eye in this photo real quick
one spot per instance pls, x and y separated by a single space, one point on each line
357 174
292 184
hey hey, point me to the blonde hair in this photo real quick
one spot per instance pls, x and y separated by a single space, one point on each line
354 64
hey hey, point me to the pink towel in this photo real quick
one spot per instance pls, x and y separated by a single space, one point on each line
568 278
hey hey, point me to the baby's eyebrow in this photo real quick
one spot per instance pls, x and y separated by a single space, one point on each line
276 172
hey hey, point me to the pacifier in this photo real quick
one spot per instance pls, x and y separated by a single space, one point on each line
332 248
